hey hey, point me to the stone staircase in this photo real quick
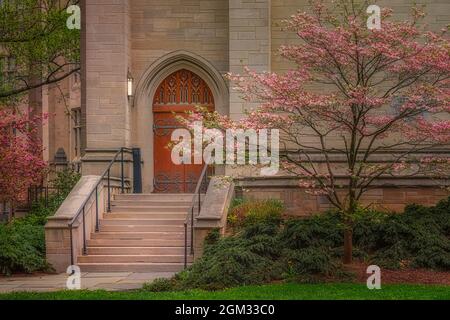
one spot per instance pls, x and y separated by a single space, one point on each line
143 233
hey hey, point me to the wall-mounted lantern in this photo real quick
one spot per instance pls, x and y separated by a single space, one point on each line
130 85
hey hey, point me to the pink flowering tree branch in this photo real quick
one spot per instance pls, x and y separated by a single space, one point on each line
21 164
359 106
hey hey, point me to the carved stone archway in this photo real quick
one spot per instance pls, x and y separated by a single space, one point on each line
142 113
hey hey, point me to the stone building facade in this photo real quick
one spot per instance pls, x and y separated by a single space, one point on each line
150 40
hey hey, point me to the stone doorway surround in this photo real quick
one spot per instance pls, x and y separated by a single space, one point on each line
147 84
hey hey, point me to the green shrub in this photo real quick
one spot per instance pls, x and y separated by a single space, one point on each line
416 238
256 254
161 285
22 248
248 257
324 230
212 237
235 261
22 241
65 181
310 261
247 212
265 249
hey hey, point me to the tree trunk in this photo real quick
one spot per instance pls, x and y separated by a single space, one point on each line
348 232
348 245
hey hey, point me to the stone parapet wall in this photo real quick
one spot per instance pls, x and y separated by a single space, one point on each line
63 245
300 203
214 212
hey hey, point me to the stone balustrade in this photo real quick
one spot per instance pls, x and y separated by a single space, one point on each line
213 214
57 230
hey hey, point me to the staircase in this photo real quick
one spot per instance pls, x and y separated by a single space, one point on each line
142 233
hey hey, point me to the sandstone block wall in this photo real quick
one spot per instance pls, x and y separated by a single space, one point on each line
300 203
438 16
130 35
159 27
249 44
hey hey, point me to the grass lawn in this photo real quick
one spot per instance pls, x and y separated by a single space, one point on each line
290 291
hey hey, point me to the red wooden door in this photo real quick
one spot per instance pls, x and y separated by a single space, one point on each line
180 92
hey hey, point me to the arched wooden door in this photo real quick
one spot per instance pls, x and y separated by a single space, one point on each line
180 92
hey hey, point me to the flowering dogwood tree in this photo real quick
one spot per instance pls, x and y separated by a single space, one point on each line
21 163
360 105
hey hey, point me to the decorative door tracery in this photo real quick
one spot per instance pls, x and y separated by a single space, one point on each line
180 92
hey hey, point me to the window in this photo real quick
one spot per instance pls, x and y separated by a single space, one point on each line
5 211
76 132
7 67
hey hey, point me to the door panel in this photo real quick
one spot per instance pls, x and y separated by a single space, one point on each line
179 93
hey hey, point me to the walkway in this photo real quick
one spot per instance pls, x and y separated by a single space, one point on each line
120 281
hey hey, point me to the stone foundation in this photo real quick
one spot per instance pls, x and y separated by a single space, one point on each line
300 203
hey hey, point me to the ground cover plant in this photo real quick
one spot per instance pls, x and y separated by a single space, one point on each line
310 250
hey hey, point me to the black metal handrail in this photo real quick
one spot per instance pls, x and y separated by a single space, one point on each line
40 193
106 174
190 218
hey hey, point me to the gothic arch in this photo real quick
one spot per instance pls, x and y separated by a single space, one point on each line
174 61
142 116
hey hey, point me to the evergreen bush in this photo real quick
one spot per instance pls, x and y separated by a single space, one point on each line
22 241
310 249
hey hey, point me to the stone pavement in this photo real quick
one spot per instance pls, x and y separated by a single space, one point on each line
115 281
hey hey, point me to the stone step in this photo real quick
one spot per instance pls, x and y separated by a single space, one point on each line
143 233
131 267
142 222
155 196
174 209
133 259
152 203
138 235
135 243
145 215
141 228
136 251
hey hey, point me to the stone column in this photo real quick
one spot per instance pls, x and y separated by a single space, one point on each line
107 62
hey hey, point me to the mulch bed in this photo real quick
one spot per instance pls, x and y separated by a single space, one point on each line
409 276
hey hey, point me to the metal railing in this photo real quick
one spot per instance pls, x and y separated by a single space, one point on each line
82 211
40 193
202 185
